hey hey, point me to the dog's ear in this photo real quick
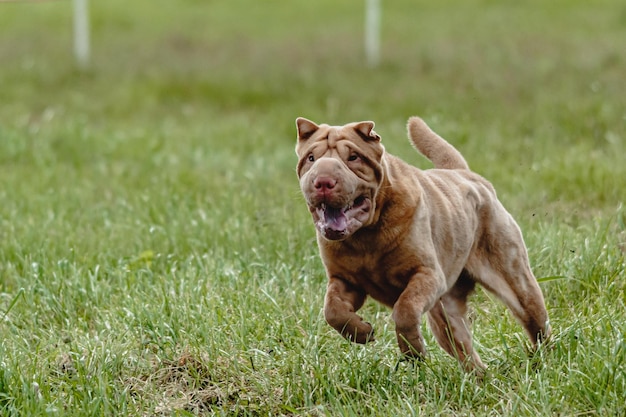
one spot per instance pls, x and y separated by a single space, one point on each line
365 130
306 128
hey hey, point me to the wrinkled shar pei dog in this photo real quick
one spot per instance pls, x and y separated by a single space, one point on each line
415 240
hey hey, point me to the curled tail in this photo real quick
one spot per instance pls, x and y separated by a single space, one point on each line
433 146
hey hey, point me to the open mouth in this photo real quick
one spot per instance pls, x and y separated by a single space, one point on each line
339 222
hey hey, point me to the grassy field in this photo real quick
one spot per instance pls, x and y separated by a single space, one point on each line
157 259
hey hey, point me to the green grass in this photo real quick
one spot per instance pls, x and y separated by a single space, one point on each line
156 257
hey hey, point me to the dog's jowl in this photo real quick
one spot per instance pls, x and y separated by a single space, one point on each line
415 240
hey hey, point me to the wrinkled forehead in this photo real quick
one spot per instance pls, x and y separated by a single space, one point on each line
333 137
335 134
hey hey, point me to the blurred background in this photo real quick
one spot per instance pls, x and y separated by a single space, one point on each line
195 100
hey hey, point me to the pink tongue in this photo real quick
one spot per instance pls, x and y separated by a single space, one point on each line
335 219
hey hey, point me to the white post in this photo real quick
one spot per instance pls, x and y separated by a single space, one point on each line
372 32
81 33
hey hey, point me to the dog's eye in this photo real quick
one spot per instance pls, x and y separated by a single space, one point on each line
353 157
311 158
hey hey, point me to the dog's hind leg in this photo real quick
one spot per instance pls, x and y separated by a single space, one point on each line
501 265
448 322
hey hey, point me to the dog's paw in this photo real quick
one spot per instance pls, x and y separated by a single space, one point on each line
410 354
412 346
363 334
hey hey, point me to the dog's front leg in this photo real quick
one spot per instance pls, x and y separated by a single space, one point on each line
342 301
421 293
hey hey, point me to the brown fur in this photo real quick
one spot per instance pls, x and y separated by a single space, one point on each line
414 240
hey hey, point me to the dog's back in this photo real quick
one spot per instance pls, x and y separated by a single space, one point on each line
434 147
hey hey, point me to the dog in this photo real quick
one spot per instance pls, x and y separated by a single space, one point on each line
415 240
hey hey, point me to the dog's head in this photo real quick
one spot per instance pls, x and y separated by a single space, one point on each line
340 171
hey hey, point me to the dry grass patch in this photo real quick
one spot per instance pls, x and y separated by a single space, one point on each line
195 383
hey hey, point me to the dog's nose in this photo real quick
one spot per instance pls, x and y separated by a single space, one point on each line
324 183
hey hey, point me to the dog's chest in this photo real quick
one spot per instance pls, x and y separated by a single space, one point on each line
382 278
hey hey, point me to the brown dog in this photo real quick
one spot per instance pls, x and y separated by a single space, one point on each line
414 240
